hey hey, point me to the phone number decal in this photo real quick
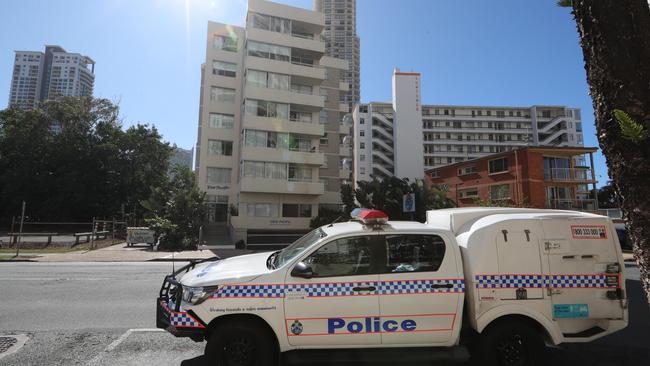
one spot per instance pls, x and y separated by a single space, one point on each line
589 231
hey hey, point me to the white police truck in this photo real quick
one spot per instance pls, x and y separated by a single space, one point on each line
504 281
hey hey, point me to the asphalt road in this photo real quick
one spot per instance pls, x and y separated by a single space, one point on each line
103 314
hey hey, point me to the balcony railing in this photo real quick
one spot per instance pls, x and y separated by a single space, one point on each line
568 175
575 205
303 35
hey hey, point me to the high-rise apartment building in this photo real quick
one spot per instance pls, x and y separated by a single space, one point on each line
272 147
341 40
38 76
390 136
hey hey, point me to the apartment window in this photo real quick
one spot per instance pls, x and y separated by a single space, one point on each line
362 145
226 43
489 113
323 117
296 210
270 23
579 126
479 113
219 120
510 113
260 169
298 116
362 157
269 80
222 68
362 170
298 173
501 114
324 93
219 147
261 210
218 94
362 133
498 165
467 170
518 113
302 89
546 114
473 113
362 121
269 51
219 177
499 192
324 141
263 108
468 193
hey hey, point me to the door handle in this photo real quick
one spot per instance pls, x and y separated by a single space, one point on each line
441 285
359 289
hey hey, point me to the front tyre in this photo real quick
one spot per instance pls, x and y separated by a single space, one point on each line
510 343
240 343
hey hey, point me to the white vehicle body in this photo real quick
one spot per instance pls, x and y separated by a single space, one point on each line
559 269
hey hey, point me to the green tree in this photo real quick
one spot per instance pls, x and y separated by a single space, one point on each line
88 167
176 210
615 41
607 196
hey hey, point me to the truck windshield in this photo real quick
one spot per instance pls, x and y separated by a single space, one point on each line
297 247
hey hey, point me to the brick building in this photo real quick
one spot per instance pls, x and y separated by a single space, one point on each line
540 177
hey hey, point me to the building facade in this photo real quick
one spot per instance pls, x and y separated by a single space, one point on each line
39 76
271 146
341 41
387 135
541 177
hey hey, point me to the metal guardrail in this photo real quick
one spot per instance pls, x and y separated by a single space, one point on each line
568 175
588 205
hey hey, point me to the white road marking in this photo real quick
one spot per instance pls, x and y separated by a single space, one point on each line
21 340
121 339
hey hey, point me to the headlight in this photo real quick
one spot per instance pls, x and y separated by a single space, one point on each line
197 295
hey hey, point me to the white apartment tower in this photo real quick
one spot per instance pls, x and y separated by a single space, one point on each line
271 149
405 138
39 76
341 41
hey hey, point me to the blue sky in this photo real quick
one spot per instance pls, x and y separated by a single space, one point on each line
476 52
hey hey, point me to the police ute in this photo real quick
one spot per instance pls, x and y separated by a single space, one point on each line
504 282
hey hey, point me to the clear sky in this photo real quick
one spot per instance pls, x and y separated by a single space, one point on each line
477 52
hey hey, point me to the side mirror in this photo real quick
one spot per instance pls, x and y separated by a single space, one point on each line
302 270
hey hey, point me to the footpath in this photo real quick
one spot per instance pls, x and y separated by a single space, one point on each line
122 253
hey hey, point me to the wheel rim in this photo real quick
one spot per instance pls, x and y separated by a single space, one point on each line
239 352
512 351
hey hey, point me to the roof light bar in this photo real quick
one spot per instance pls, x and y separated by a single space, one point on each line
369 216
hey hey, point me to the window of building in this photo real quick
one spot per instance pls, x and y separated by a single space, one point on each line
219 147
362 121
413 253
518 113
498 165
501 114
261 210
362 145
324 140
499 192
296 210
219 120
362 133
467 170
300 173
349 256
263 108
362 170
323 117
362 157
468 193
219 177
225 95
269 51
546 114
270 23
268 170
222 68
579 126
269 80
226 43
324 93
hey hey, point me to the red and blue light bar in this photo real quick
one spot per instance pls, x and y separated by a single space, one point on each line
369 216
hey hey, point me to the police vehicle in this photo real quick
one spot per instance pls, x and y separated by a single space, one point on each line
504 281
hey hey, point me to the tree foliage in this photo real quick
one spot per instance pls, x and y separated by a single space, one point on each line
607 196
630 129
175 210
89 167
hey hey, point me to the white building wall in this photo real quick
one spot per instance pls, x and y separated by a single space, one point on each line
407 125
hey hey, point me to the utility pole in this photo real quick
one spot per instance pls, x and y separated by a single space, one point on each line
20 232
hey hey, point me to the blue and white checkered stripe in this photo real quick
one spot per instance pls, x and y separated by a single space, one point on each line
333 289
541 281
183 320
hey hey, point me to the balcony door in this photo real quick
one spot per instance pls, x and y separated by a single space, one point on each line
559 197
557 169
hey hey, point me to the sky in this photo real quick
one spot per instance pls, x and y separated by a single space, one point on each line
148 53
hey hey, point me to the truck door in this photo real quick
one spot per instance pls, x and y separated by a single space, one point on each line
421 290
579 253
338 305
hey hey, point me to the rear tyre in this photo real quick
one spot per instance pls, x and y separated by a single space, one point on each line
240 343
511 343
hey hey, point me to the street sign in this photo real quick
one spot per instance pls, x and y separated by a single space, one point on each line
408 202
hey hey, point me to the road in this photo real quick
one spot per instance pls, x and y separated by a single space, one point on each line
103 314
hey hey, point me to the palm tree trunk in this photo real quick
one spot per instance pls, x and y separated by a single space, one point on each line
615 40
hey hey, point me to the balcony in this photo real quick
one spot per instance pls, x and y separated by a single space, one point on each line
282 125
308 157
264 185
298 67
285 39
573 205
344 128
344 150
568 175
317 102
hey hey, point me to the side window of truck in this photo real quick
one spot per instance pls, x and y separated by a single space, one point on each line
350 256
413 253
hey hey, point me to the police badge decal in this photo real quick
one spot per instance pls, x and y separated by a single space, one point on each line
296 327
